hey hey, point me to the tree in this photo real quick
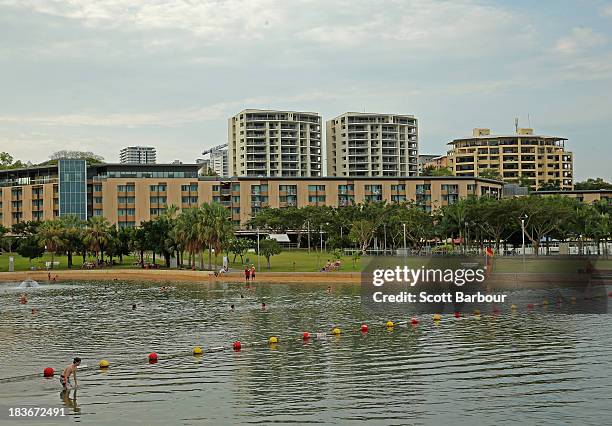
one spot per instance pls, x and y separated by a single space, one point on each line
217 229
3 232
97 235
7 162
269 248
72 238
362 232
239 247
30 247
593 184
51 235
490 174
436 171
88 156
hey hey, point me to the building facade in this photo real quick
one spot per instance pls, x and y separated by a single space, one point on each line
274 143
588 196
437 162
521 157
127 195
372 145
138 155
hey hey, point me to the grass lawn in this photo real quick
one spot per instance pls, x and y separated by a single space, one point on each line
546 264
286 261
23 264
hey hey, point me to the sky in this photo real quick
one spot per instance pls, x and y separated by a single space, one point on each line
97 75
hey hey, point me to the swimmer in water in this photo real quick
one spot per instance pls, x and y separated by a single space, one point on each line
263 306
71 369
232 307
242 296
134 307
329 289
23 299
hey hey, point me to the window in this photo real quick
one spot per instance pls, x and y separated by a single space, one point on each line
97 200
398 198
97 212
316 188
159 188
215 188
157 211
159 200
126 212
126 188
316 198
97 187
127 224
193 199
126 200
420 189
400 187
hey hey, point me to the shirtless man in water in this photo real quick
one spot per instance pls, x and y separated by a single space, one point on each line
71 369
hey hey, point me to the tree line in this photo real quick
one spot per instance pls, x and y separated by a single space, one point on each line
469 224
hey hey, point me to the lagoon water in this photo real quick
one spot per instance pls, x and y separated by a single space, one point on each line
524 367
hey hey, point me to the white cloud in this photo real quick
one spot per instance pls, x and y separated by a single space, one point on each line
607 11
579 40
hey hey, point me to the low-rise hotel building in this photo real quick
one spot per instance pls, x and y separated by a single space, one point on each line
588 196
128 194
536 158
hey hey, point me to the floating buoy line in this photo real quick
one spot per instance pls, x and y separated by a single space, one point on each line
273 341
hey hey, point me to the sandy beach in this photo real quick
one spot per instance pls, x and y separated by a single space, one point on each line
182 276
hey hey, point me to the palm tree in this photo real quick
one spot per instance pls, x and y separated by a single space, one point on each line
51 236
97 235
188 232
218 229
73 235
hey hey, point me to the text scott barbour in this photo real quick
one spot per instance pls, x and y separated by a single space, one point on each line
410 276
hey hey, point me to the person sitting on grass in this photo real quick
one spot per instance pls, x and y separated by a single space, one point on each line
71 369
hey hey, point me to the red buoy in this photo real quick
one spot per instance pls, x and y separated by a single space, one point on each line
48 372
152 357
457 314
414 321
306 335
529 305
364 328
237 346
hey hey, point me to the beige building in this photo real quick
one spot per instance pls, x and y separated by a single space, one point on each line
588 196
372 145
438 162
127 195
274 143
536 158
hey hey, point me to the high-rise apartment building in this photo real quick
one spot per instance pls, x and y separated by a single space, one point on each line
521 157
274 143
218 160
137 155
365 144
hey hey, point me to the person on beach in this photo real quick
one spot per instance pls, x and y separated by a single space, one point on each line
71 369
49 276
247 274
252 272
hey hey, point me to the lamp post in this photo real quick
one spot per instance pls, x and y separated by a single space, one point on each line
523 237
258 257
308 224
405 249
385 231
321 237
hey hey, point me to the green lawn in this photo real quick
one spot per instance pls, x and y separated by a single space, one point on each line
286 261
22 264
545 264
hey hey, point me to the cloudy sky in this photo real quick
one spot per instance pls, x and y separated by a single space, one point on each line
101 74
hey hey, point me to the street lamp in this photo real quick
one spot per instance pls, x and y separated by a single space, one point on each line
258 257
308 223
405 249
523 237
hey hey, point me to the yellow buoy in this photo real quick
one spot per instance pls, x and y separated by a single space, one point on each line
437 317
336 331
513 307
545 302
477 312
273 339
104 364
197 350
389 324
573 299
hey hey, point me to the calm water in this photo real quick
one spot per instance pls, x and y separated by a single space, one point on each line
524 368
